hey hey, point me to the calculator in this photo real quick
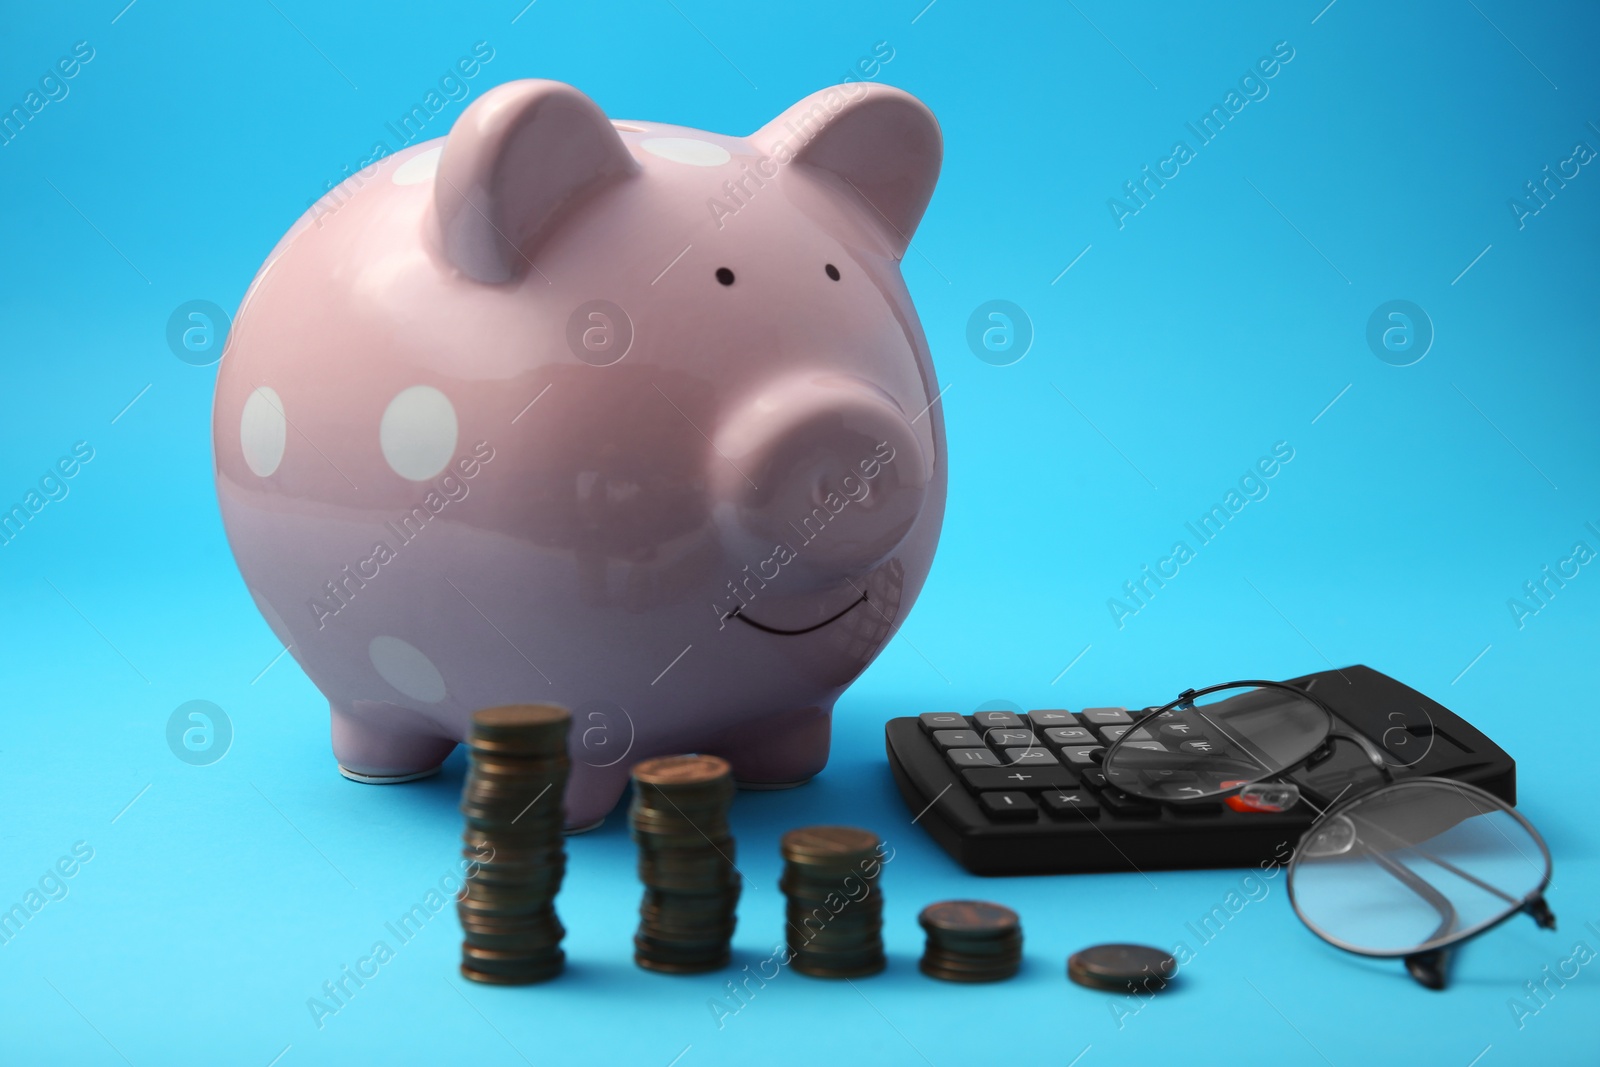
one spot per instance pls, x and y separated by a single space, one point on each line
1021 793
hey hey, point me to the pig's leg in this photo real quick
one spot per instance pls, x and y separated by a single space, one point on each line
780 751
383 743
592 792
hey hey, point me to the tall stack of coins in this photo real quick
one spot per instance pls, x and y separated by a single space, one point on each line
680 821
512 803
834 909
971 941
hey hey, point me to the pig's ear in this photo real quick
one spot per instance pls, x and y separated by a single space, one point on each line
883 142
516 163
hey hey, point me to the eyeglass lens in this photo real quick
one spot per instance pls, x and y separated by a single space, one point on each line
1218 742
1413 866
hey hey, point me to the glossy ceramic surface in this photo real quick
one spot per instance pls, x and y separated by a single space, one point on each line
630 417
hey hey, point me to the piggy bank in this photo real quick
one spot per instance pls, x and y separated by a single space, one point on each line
627 417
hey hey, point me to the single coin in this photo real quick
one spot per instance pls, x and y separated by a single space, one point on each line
542 974
710 963
862 970
946 974
1121 968
516 718
970 917
681 770
825 842
532 966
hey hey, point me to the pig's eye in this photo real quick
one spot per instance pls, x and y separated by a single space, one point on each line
724 275
833 272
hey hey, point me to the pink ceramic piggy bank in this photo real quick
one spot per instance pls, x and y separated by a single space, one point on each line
631 418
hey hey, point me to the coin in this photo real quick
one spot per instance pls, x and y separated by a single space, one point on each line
871 965
1122 968
519 720
948 971
827 844
527 978
968 917
677 771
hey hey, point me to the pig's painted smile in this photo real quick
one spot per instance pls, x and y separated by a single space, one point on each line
738 613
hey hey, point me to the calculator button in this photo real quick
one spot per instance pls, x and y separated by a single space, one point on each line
1009 807
1081 755
1106 716
1093 779
999 719
1127 805
1062 801
1069 735
1031 757
1109 734
972 757
1179 730
1200 746
1010 738
1025 779
1153 746
1051 718
943 720
957 739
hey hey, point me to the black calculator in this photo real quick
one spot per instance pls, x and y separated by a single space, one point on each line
1008 793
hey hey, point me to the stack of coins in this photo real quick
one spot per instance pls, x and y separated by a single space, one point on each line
512 803
691 887
834 909
970 941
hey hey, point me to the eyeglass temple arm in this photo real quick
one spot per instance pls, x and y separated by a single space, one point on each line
1531 904
1431 967
1364 743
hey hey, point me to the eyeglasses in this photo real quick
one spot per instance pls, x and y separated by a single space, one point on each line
1408 869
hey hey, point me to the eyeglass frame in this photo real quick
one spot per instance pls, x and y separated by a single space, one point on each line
1428 965
1319 753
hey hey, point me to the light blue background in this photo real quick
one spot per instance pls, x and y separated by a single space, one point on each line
1172 354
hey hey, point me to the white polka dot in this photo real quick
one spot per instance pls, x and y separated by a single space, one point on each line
418 169
262 431
418 433
688 150
408 670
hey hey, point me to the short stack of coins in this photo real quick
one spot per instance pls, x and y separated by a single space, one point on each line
971 941
679 819
513 807
834 910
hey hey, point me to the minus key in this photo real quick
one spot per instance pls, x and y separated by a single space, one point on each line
1009 807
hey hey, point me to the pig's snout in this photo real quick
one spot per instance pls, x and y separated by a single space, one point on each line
819 478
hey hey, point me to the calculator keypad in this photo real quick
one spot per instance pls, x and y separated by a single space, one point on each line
1043 766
